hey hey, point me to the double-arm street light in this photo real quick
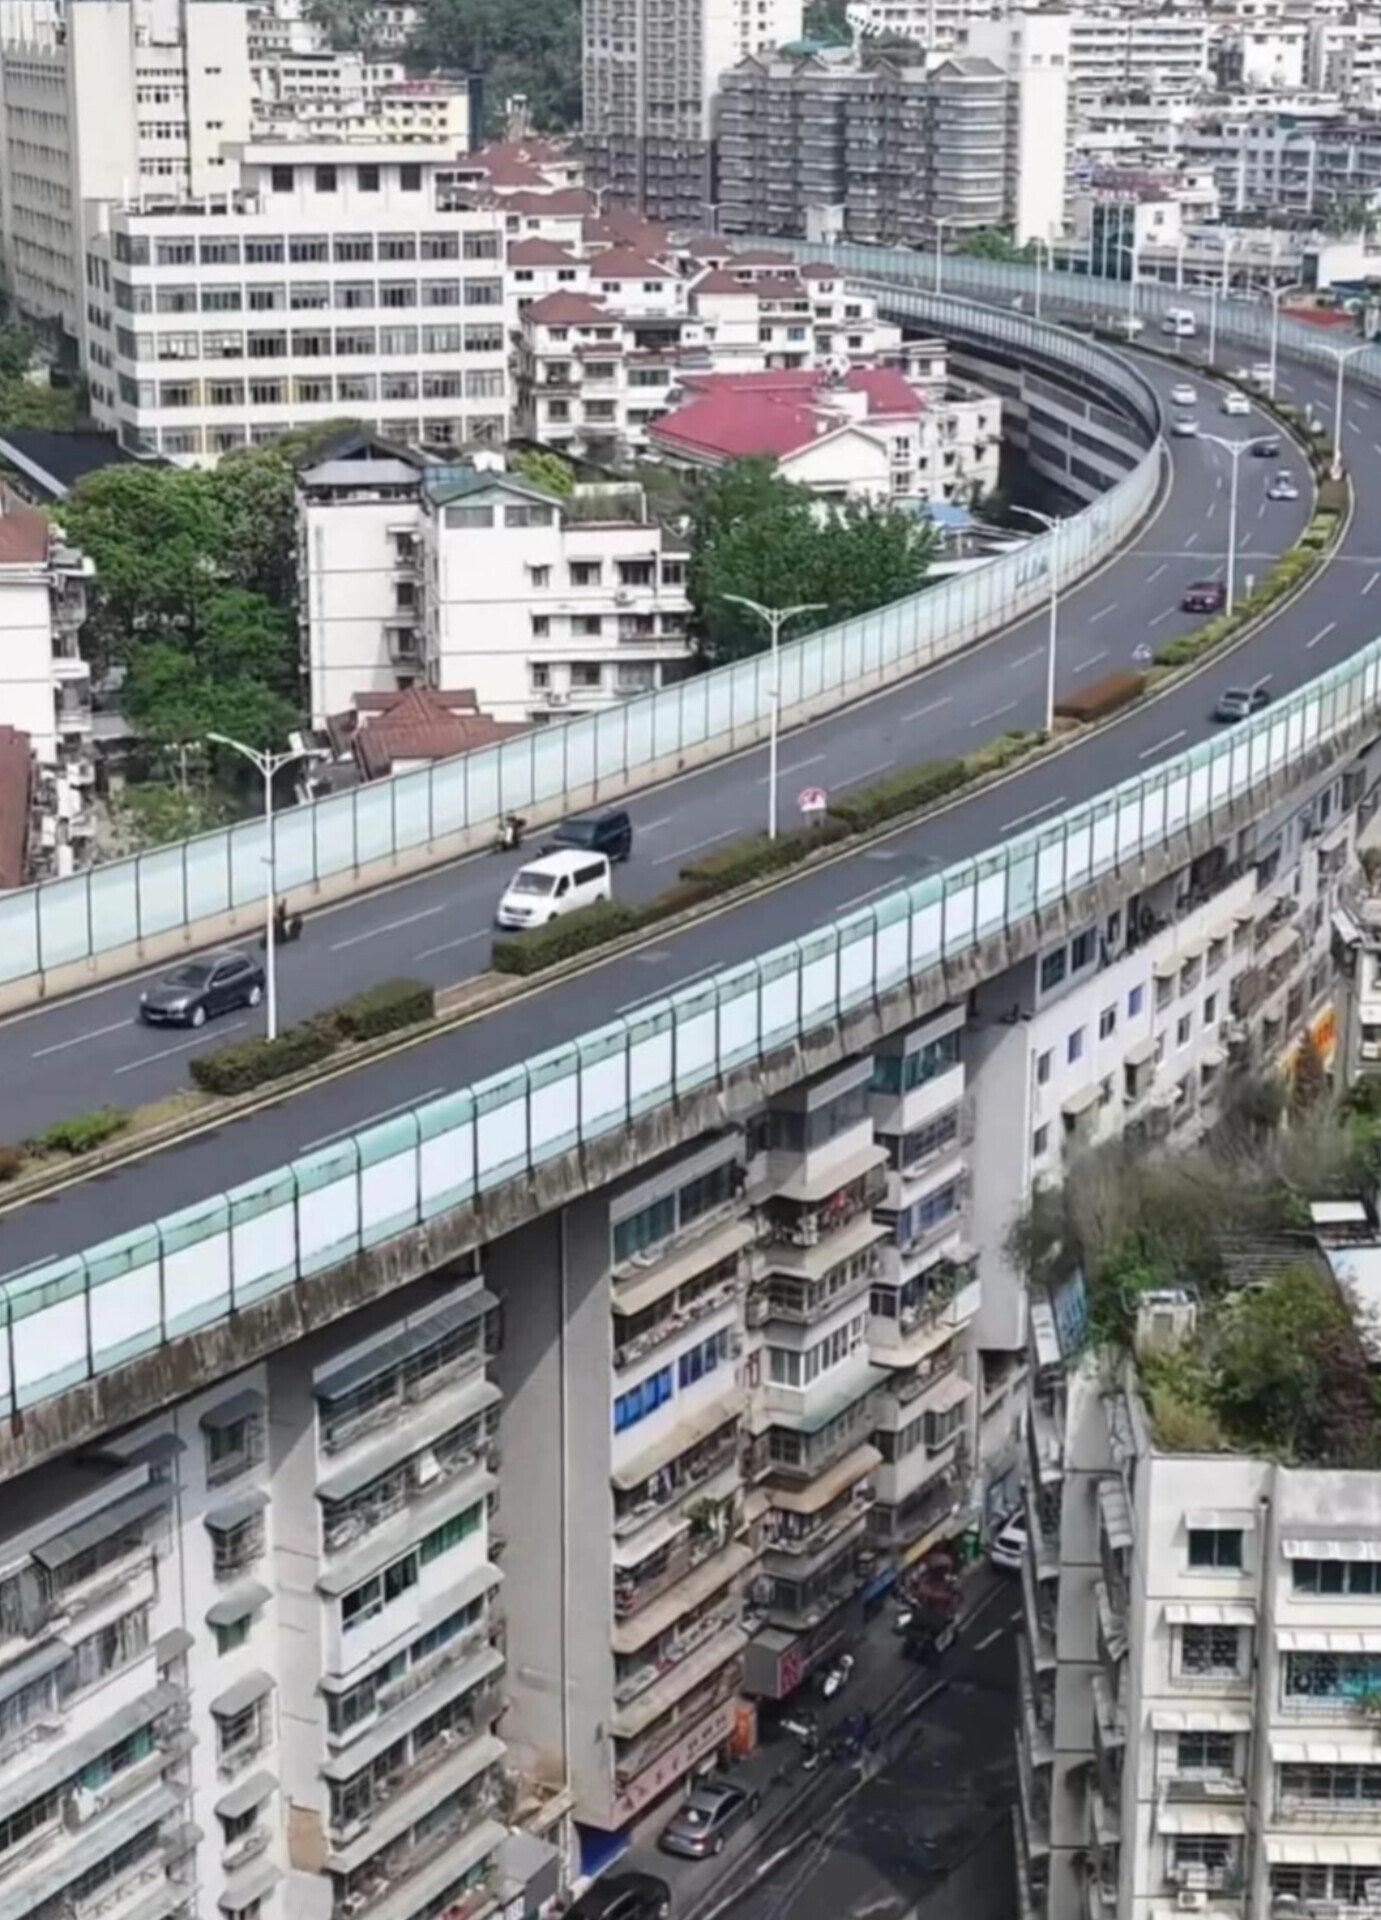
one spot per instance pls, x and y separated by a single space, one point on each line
1342 355
776 618
1234 449
268 766
1052 527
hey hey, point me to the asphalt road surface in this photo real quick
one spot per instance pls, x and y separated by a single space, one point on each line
81 1052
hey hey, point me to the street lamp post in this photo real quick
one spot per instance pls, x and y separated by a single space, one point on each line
1049 247
268 765
940 221
776 618
1275 295
1234 449
1212 325
1342 355
1052 527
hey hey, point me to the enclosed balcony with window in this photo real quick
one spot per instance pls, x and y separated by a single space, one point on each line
711 1453
382 1384
373 1489
1325 1676
803 1530
918 1312
634 1755
704 1279
435 1861
648 1563
456 1737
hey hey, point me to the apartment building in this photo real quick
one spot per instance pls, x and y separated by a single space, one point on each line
450 576
650 70
45 692
253 1653
1034 49
600 358
348 96
339 280
867 434
874 151
109 100
1158 52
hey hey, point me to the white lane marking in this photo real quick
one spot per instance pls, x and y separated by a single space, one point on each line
1322 634
984 718
661 993
1092 660
1354 426
1157 573
133 1066
1371 583
1190 538
852 779
920 712
797 766
1102 613
1212 509
1169 614
1161 745
1264 678
78 1039
699 847
449 946
1364 403
653 825
1036 653
1013 1619
893 885
988 1639
392 926
357 1126
1034 814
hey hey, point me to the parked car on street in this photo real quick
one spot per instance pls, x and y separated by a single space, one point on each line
1008 1550
192 993
1240 703
1204 596
624 1896
703 1822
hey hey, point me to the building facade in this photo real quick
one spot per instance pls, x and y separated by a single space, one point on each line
335 281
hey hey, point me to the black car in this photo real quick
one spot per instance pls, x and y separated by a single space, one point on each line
1267 448
1205 596
193 992
608 833
624 1896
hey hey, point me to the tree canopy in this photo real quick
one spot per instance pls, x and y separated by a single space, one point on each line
533 49
760 536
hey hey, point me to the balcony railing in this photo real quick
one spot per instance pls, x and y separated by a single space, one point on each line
483 1710
401 1863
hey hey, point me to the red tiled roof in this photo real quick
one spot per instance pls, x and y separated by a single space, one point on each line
564 201
622 228
537 252
15 765
509 171
457 699
763 260
818 270
621 263
422 724
793 380
706 246
23 533
769 415
565 309
722 280
887 388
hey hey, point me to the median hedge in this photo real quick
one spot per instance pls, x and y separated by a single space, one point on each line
757 857
563 939
83 1133
899 793
254 1063
384 1009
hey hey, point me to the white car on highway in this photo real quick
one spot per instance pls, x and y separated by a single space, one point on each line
1184 426
1235 402
1184 395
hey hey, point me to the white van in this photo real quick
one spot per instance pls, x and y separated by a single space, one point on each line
1179 321
557 883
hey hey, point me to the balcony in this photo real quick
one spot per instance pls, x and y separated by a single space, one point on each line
717 1453
668 1554
446 1747
435 1873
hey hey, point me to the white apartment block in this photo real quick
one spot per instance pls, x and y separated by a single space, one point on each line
341 96
1036 52
1158 52
252 1650
45 685
119 100
335 281
1201 1655
458 578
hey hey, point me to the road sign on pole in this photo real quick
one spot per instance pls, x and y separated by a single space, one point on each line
812 800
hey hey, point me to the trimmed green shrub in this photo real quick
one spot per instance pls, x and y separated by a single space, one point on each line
11 1163
254 1063
384 1009
740 861
82 1133
579 932
1001 752
1332 496
1289 411
899 793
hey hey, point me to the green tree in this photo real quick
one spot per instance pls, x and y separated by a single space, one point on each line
544 469
152 534
533 49
757 535
255 509
988 244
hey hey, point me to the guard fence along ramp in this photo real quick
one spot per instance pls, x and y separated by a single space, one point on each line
63 933
69 1321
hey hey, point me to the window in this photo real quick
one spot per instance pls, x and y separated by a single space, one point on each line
702 1359
236 1547
1040 1142
1043 1068
1346 1579
1074 1048
410 178
1205 1753
1083 950
1210 1009
639 1401
367 179
324 179
281 179
1054 966
1107 1022
232 1634
541 626
587 674
1135 1001
1216 1547
1210 1652
585 573
1184 1027
588 626
904 1072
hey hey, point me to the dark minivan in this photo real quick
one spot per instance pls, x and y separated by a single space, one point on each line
608 833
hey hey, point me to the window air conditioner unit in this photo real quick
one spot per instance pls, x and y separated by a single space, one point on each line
1191 1901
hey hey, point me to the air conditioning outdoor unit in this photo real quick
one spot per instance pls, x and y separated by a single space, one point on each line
1191 1900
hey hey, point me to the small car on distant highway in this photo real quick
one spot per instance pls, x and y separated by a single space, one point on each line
1235 402
624 1896
1204 596
706 1817
1283 487
1266 448
1240 703
193 992
1184 426
1183 395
